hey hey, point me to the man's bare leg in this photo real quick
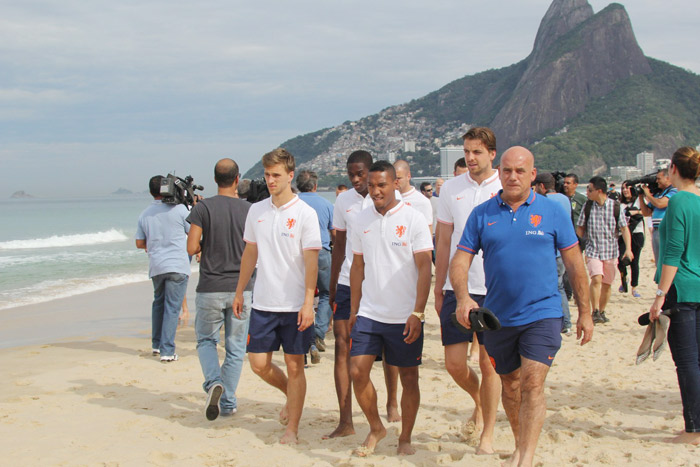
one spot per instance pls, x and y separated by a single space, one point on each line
261 364
366 396
410 401
343 384
456 365
489 391
596 281
533 407
604 295
511 405
296 392
474 351
391 378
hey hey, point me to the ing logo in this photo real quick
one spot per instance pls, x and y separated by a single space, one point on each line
291 223
535 220
400 230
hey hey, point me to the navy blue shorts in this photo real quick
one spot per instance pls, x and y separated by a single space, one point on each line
539 341
370 337
450 334
342 303
268 330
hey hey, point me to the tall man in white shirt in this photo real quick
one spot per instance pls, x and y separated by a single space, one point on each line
390 282
459 197
410 195
283 238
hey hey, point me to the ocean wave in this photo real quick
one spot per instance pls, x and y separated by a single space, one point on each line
93 238
51 290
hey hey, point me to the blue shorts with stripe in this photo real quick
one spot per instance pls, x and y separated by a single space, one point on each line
267 330
342 303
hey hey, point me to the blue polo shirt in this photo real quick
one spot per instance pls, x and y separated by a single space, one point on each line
519 256
324 211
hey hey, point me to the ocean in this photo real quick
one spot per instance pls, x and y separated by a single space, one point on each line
56 248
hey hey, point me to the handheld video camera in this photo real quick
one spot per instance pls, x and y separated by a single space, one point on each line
648 180
176 190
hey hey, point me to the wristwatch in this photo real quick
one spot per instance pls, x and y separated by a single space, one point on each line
660 293
420 316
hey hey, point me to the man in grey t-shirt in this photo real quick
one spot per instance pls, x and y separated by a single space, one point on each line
216 230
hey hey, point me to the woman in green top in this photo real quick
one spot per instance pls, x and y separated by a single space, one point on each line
678 278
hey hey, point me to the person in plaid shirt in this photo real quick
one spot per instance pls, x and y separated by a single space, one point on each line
598 224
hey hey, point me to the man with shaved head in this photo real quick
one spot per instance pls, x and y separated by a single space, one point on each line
216 230
410 195
518 229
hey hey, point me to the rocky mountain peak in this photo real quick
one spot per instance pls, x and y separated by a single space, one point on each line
561 17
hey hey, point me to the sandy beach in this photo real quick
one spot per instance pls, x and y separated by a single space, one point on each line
83 399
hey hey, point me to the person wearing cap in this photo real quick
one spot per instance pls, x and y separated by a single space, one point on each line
390 282
519 227
544 185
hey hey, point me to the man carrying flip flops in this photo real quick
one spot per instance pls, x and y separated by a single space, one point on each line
518 231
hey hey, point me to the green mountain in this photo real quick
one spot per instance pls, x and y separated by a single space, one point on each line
585 99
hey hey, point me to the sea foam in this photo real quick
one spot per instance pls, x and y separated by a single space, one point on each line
93 238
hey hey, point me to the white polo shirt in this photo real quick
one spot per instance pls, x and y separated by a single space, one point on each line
417 201
281 235
458 197
347 207
388 244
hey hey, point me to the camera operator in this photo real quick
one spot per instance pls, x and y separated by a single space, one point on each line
635 222
654 205
162 232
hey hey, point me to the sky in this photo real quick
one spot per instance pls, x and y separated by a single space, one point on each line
97 95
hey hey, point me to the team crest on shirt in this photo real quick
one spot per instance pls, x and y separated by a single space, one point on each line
400 231
535 220
291 222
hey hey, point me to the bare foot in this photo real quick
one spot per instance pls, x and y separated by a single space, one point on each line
687 438
284 415
392 414
474 359
343 429
484 449
289 437
513 460
405 449
370 443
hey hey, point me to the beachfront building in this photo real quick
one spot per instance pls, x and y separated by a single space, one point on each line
448 156
661 164
625 172
645 162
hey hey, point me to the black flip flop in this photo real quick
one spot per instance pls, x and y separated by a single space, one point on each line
481 319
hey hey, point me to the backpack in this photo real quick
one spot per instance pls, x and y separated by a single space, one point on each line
616 212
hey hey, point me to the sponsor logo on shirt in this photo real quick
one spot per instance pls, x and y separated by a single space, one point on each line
535 220
460 198
291 222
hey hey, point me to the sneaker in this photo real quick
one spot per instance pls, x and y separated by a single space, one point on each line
168 358
155 352
605 318
315 356
566 331
636 294
211 410
320 344
597 319
228 413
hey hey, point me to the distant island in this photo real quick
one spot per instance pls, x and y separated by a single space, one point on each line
123 191
21 194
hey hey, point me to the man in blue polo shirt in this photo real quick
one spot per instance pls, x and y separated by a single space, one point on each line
517 229
654 205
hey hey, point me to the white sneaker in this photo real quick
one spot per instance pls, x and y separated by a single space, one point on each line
155 352
211 409
168 358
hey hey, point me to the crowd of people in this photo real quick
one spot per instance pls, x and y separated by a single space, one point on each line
369 259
